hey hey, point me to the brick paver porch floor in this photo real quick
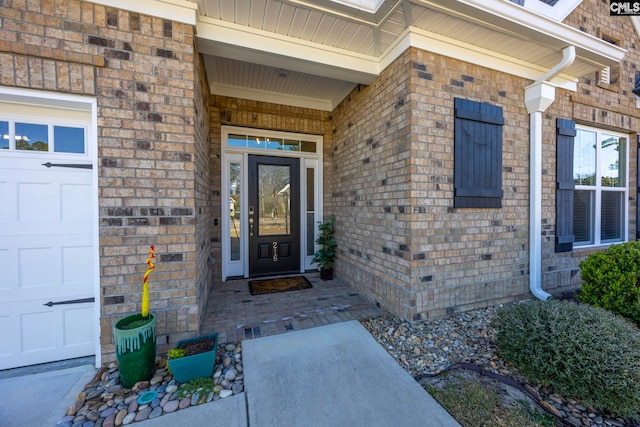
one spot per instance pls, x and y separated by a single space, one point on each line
237 315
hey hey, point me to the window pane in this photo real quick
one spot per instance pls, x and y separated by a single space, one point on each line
256 142
4 135
584 158
234 208
613 161
237 140
274 144
583 217
611 216
308 147
291 145
30 137
311 226
68 140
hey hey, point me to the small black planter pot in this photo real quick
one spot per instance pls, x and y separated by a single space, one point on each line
326 273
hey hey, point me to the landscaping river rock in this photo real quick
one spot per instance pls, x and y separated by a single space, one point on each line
430 347
106 403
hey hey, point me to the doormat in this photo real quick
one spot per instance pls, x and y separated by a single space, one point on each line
281 284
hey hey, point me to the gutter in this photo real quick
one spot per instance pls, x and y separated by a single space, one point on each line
538 97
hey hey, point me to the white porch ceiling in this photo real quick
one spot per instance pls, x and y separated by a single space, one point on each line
313 52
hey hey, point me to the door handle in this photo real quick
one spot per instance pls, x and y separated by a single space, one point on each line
71 301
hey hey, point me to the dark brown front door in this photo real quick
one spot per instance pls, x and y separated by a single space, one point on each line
274 215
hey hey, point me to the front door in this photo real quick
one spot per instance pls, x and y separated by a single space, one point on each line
274 215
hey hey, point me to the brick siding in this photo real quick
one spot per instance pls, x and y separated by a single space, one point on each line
152 190
388 162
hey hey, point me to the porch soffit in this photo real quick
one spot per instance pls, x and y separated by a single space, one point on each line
313 52
326 48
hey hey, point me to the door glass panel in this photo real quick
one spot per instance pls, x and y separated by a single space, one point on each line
613 161
234 210
4 135
68 139
273 204
32 137
311 226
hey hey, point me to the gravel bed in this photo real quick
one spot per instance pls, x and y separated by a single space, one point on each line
106 403
430 347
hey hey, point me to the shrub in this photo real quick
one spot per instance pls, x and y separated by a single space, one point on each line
583 352
611 280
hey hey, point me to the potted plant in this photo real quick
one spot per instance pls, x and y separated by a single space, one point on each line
135 338
326 254
193 358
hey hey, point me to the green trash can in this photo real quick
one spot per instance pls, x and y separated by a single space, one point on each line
135 338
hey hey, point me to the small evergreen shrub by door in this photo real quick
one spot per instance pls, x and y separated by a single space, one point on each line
325 255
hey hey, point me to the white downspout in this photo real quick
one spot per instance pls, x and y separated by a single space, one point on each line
538 97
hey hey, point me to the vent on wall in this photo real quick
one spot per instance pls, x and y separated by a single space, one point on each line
605 75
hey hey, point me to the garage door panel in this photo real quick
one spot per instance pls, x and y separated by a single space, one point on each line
72 208
7 209
37 203
37 267
38 331
8 267
77 265
77 332
10 326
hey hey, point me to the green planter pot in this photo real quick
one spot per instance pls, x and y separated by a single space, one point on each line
200 365
135 349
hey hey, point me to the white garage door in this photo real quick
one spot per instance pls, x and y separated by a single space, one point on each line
46 248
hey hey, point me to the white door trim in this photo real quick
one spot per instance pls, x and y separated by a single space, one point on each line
240 155
39 98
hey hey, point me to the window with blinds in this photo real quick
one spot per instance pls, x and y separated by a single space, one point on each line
600 169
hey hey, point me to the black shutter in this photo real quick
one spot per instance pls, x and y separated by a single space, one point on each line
565 134
478 155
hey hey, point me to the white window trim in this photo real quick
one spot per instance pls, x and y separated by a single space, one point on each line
598 188
241 155
14 119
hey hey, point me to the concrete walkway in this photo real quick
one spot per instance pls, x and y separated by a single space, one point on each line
41 399
334 375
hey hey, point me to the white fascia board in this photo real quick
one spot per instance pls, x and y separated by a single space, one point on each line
635 20
272 97
512 19
239 42
472 54
183 11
